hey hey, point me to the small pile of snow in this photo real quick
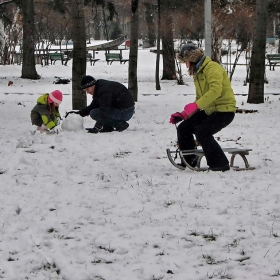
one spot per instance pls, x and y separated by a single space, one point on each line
73 122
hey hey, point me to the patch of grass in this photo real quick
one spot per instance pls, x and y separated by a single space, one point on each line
18 210
220 275
242 252
51 267
168 203
234 243
243 259
30 151
194 233
121 154
51 230
274 234
209 259
209 237
107 249
98 261
157 278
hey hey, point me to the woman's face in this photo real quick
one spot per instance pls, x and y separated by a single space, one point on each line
188 64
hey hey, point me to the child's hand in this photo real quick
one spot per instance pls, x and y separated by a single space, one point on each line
52 131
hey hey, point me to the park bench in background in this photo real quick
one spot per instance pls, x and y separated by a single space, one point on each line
110 57
273 60
91 59
64 58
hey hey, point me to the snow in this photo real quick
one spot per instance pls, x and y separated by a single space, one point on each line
73 123
79 206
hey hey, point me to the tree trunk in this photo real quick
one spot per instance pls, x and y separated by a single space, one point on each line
79 99
150 23
97 28
133 53
105 24
169 72
158 47
28 70
257 67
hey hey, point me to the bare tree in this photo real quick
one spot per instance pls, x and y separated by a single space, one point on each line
169 72
28 41
79 99
149 17
257 67
158 48
133 54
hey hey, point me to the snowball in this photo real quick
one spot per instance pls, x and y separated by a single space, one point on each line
73 122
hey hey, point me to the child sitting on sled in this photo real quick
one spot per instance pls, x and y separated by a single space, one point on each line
45 114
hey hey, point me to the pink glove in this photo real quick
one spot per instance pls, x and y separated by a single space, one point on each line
176 117
189 110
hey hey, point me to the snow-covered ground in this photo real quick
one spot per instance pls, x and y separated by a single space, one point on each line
78 206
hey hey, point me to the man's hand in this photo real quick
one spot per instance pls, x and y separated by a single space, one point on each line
72 112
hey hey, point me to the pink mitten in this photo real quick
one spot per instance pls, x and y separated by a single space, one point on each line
175 118
189 110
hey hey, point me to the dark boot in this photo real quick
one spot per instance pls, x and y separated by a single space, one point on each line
106 128
222 168
121 126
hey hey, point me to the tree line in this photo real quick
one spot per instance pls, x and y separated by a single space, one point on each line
35 23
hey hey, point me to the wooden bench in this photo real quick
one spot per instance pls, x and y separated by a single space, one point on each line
59 56
273 60
173 155
110 57
91 59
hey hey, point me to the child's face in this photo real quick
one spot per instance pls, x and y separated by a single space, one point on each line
55 104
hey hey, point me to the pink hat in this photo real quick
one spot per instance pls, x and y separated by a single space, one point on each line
55 96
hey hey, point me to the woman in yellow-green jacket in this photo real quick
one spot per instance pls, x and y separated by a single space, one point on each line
213 109
45 114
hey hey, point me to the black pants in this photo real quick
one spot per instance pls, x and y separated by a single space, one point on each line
204 126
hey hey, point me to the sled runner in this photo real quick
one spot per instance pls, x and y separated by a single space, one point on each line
173 155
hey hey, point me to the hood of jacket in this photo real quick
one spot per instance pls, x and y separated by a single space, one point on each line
43 99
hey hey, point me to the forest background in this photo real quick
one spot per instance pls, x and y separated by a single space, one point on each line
35 25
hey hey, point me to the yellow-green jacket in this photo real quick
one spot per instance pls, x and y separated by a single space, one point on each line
213 88
44 113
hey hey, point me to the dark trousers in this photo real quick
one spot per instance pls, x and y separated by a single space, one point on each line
204 126
115 116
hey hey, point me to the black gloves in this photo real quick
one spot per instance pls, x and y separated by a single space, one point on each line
72 112
93 130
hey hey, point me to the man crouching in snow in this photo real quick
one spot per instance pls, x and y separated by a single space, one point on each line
111 107
45 114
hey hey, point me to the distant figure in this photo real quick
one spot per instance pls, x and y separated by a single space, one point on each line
214 108
45 115
112 105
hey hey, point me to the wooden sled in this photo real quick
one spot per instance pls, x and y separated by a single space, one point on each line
173 155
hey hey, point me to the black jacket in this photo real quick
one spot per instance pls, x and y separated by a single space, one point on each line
107 95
